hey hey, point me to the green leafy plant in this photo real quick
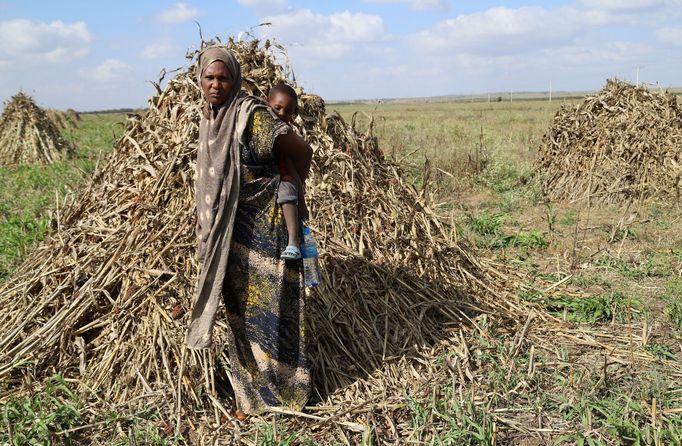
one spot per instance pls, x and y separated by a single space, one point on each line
43 418
596 309
569 218
673 299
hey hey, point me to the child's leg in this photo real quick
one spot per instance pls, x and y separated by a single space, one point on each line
290 212
287 197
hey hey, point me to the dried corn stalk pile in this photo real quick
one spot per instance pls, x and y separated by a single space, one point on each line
62 119
104 299
28 135
72 115
622 144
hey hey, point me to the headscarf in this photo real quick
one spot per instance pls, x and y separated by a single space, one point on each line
217 191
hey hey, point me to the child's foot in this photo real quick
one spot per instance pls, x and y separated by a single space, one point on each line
291 252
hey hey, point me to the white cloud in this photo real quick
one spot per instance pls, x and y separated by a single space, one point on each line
624 6
158 50
523 47
315 36
178 13
26 40
109 70
637 13
617 52
433 5
276 4
510 31
671 36
496 30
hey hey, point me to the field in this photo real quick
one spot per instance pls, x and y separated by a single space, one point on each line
617 270
621 268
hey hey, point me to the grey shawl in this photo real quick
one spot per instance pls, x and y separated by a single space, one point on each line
221 132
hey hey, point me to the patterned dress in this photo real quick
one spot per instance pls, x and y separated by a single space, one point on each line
263 294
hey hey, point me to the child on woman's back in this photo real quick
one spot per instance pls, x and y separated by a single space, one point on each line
283 101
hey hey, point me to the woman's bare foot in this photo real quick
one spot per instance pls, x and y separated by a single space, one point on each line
238 414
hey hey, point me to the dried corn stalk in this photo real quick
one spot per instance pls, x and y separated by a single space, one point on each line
62 119
28 135
622 144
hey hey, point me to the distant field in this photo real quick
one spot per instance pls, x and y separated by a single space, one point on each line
506 96
458 137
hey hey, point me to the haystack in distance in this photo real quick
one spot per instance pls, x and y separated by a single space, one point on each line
63 119
622 144
28 135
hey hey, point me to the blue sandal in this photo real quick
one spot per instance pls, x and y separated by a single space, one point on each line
291 252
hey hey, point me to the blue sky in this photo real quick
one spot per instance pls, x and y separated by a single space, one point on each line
92 55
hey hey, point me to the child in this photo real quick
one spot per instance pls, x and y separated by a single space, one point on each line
283 101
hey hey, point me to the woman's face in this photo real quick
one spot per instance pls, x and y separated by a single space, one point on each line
216 82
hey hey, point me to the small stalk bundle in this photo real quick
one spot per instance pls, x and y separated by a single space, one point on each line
61 119
622 144
73 116
28 135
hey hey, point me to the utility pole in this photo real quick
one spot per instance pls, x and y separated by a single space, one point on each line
637 83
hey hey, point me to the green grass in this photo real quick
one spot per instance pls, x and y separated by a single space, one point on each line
270 434
673 300
648 266
599 403
43 418
17 234
489 233
461 424
143 427
610 306
55 415
492 142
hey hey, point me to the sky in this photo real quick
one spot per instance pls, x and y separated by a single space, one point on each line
95 55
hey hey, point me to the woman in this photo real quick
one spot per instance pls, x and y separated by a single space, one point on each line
241 234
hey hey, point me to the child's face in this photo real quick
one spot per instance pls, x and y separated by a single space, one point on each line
283 105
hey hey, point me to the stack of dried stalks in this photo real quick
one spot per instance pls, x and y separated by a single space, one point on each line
622 144
104 299
28 135
73 115
62 119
